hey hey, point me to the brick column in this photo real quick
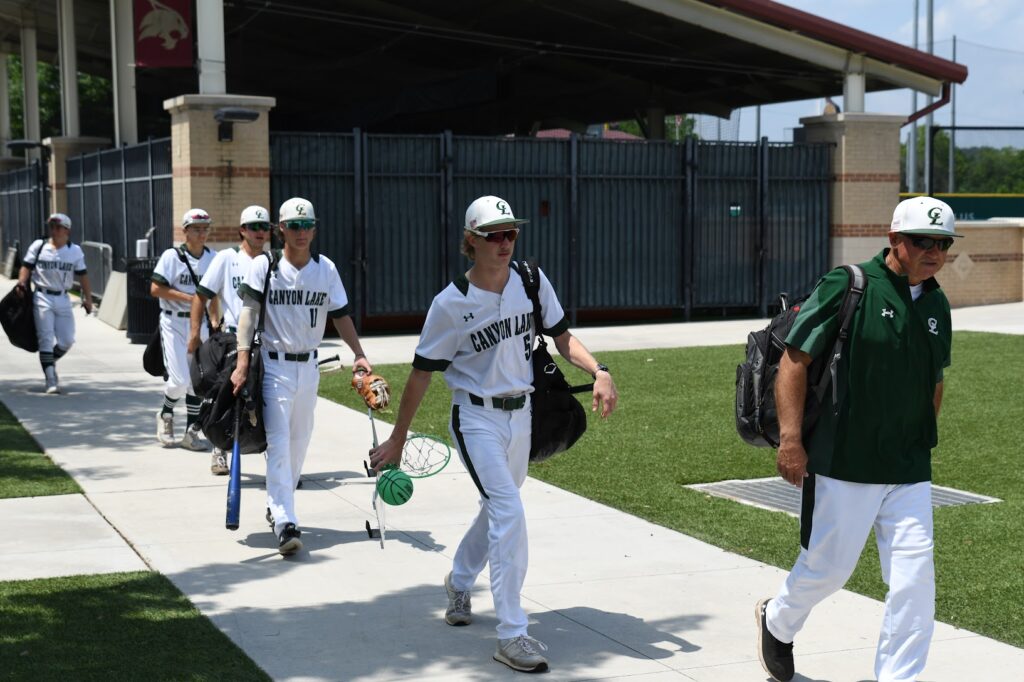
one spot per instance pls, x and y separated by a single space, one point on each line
61 149
866 186
220 177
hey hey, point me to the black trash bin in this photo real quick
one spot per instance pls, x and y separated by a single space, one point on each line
143 308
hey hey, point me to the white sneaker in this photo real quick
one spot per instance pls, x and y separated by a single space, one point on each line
522 653
165 428
193 440
218 463
459 610
52 387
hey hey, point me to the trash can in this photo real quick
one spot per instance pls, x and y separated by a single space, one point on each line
143 308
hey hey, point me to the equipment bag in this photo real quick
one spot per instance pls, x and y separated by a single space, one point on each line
757 419
211 369
17 314
558 419
153 356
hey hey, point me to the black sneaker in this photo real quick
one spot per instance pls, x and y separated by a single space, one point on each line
776 657
289 540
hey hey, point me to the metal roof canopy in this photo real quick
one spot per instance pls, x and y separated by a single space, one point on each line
500 66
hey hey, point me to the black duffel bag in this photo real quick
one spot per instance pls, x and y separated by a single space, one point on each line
558 418
18 320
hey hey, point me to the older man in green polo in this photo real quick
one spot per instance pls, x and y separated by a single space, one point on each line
867 463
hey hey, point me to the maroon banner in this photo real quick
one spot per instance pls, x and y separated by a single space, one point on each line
163 33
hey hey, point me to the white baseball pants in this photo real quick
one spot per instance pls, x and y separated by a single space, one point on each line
495 448
55 322
843 515
174 331
289 399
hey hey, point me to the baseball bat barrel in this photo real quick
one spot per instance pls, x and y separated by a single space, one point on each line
235 477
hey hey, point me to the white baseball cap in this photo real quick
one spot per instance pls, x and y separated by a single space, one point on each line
60 219
296 208
924 215
195 216
488 211
254 214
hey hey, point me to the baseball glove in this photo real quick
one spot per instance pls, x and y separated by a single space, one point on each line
373 388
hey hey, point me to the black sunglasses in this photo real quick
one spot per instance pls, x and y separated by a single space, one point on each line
926 243
258 227
500 236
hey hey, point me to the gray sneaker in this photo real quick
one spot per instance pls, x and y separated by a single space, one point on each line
165 428
218 463
459 610
52 387
193 440
522 653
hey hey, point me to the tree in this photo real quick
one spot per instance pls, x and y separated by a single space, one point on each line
677 127
976 169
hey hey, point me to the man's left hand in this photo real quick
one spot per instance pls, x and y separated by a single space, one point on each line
605 395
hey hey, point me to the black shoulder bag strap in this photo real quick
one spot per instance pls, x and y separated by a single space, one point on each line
257 339
531 282
42 243
195 280
854 292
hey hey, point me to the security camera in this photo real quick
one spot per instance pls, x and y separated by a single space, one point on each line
228 116
236 115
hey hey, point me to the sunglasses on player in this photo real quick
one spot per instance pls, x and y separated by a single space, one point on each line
258 227
499 236
926 243
300 224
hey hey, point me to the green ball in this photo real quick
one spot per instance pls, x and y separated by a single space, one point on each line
394 486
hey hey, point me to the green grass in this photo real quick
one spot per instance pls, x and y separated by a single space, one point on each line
123 625
674 426
24 470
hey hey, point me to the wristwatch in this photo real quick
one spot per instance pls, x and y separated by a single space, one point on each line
601 367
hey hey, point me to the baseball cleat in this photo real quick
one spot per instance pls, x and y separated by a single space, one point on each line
165 428
459 610
192 440
776 657
218 463
289 542
522 653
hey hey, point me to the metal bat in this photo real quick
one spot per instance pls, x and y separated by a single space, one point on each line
331 364
235 477
378 504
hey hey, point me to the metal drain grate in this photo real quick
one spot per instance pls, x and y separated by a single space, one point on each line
775 494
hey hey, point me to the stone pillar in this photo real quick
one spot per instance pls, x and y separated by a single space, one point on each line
212 68
220 177
866 184
29 87
68 68
61 148
122 44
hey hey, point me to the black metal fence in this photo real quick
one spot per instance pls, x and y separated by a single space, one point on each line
117 195
617 226
24 205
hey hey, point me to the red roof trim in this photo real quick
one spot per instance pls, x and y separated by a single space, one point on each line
843 36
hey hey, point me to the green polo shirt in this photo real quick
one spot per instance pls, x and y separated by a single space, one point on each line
885 427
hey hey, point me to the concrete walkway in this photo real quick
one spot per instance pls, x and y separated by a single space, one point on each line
613 596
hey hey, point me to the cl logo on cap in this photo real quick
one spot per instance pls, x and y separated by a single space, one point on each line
301 210
503 207
935 213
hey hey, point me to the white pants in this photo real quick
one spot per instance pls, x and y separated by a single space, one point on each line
495 448
289 399
174 333
843 514
55 323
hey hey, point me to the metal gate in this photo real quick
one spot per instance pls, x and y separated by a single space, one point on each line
619 227
24 205
117 195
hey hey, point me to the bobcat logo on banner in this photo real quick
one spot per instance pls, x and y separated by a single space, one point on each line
163 33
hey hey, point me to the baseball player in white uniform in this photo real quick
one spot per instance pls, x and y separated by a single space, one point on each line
173 283
304 290
480 332
52 265
225 274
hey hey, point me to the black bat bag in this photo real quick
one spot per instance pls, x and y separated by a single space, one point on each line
18 321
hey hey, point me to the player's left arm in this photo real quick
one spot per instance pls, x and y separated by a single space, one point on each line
83 281
347 332
605 394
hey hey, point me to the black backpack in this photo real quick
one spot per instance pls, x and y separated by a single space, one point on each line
757 420
17 315
558 419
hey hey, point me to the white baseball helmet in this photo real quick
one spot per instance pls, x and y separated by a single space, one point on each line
254 214
296 208
487 211
60 219
195 216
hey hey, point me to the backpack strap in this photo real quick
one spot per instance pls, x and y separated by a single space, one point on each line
531 282
195 280
854 293
257 339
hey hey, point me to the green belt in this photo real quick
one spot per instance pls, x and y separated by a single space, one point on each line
293 357
507 404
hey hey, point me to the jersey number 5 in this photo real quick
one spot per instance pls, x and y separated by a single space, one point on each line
313 312
527 346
